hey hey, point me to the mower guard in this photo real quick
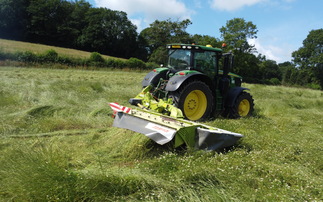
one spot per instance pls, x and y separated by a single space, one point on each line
159 134
163 129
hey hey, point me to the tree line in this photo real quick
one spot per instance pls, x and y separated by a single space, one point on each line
72 24
78 25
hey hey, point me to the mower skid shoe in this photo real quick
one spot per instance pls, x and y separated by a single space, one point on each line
215 139
158 133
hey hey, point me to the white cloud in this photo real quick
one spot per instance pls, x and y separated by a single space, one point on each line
138 23
151 9
277 53
232 5
148 10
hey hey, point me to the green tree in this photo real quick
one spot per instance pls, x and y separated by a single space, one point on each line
76 22
108 32
206 40
236 34
310 56
159 56
270 70
13 19
55 22
248 66
48 21
287 69
161 33
69 23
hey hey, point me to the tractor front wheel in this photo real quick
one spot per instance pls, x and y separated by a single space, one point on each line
194 99
243 106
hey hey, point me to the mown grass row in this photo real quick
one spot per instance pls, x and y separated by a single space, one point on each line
57 144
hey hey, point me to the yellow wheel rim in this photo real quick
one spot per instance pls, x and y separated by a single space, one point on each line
195 105
244 107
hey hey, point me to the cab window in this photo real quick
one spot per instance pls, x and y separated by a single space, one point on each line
205 62
179 59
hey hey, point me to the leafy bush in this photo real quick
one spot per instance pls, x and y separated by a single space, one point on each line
274 81
50 56
135 63
314 86
116 63
110 62
3 55
68 61
26 56
96 59
152 65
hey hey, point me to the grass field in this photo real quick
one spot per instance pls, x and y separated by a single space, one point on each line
57 144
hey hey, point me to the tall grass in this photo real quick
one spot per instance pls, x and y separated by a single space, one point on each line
57 144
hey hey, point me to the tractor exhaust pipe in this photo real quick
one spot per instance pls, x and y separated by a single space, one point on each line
227 63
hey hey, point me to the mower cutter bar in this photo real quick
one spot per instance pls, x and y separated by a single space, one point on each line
163 129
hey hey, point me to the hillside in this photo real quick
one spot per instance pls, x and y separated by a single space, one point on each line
57 144
16 46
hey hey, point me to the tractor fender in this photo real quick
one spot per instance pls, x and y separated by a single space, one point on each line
153 77
177 80
233 94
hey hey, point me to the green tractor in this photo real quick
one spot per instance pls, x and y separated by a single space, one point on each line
198 82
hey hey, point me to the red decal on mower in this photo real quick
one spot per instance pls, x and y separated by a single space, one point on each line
118 108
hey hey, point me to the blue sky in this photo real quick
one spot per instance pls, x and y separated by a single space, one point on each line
282 24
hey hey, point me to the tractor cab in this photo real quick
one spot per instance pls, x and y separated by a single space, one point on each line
193 57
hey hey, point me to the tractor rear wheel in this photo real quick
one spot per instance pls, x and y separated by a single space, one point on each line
243 106
194 99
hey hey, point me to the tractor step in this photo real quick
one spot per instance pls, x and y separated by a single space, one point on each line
163 129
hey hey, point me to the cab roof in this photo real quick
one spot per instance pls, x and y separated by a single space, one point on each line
190 46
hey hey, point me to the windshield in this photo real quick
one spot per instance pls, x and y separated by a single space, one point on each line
179 59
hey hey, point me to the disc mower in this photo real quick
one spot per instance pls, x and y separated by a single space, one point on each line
196 84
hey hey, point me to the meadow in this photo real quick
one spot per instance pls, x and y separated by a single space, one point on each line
57 143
